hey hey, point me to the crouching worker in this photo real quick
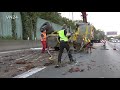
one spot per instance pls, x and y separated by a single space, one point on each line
63 38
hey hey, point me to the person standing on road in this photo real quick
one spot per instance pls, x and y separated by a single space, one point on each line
43 40
104 42
63 38
90 45
86 44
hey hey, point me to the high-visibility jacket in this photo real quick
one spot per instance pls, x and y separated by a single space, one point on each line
85 39
43 37
88 40
62 36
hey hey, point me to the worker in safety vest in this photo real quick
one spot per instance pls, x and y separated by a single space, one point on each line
63 38
104 41
43 40
87 44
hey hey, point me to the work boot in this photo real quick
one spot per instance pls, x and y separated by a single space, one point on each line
72 61
58 65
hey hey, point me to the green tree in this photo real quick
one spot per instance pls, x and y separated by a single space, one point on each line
98 34
13 27
117 37
29 20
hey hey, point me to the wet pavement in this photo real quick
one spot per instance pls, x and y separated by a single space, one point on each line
15 63
101 63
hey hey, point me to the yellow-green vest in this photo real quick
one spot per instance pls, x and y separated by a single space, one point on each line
62 36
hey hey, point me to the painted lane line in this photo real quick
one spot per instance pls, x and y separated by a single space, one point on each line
29 73
13 51
39 49
36 48
21 50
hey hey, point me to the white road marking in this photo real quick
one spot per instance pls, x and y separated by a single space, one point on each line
22 50
35 48
29 73
13 51
40 49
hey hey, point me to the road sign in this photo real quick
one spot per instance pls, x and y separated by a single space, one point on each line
112 33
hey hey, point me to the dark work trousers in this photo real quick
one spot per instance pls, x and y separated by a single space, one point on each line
62 46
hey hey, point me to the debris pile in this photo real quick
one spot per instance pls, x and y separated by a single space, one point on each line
15 63
47 64
76 69
29 66
21 68
21 62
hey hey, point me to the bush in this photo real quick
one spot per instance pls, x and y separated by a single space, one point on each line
7 38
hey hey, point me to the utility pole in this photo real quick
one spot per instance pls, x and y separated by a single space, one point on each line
72 16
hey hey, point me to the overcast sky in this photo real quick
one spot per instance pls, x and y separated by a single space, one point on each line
106 21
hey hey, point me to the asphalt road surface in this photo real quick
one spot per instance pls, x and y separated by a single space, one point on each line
101 63
116 45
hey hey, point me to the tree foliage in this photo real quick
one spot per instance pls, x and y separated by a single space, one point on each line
117 37
56 17
98 34
29 20
14 36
